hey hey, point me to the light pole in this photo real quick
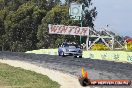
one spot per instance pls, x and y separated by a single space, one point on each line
76 12
81 22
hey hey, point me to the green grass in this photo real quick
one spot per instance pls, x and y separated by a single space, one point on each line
12 77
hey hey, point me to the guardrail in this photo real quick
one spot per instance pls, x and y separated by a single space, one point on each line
119 56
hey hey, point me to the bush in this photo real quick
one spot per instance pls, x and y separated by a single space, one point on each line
99 47
129 46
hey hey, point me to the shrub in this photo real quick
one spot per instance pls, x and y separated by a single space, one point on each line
99 47
129 46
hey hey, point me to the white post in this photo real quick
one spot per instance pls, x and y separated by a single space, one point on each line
87 43
93 42
113 43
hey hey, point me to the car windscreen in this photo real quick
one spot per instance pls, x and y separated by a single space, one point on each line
71 46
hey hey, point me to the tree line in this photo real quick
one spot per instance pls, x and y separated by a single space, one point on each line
24 23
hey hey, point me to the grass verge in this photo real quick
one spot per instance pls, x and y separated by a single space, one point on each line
12 77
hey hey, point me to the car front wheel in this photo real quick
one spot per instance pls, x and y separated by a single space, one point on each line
59 54
63 55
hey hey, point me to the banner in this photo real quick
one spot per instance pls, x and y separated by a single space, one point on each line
68 30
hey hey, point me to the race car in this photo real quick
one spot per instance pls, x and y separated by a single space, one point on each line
70 50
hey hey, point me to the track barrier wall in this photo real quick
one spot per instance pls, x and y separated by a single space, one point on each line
119 56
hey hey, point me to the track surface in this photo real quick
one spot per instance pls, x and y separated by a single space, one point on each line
97 69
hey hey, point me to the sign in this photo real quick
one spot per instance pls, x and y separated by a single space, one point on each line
68 30
75 11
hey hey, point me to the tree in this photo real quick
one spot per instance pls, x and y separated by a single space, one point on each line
24 23
21 27
55 16
60 15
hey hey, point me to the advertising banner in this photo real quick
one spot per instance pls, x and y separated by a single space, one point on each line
68 30
119 56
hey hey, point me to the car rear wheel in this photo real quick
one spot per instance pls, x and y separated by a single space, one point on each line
75 56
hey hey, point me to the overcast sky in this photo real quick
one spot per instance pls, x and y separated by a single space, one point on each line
116 13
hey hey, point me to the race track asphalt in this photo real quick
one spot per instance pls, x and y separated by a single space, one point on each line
97 69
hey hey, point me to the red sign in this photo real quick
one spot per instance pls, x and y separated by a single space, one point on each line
68 30
128 40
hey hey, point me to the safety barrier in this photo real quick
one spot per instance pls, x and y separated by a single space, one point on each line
119 56
44 51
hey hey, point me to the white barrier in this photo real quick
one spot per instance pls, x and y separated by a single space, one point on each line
120 56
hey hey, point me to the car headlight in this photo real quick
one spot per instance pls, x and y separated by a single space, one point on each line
65 50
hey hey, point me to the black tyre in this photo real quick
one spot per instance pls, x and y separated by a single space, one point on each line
59 54
75 56
80 56
63 55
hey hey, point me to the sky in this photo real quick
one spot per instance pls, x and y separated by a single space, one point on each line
115 13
